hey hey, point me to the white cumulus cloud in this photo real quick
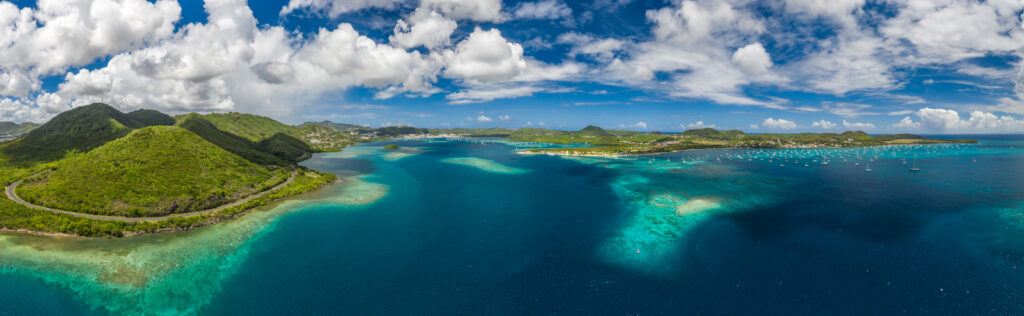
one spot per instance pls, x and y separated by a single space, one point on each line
823 124
752 59
771 123
545 9
697 125
906 124
486 56
950 120
333 8
56 35
857 125
427 28
476 10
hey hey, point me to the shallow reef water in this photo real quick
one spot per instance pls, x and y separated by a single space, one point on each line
467 226
485 165
168 273
665 200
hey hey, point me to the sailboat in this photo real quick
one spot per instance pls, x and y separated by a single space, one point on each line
915 168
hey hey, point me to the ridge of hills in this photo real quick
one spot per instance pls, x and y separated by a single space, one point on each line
8 128
152 171
78 130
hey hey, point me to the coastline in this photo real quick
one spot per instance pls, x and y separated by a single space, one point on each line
5 230
219 215
563 153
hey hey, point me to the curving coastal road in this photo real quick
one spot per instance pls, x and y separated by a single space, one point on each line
14 197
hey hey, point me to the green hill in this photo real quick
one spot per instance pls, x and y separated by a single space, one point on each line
15 128
593 131
252 127
259 128
284 146
233 143
392 131
711 133
79 129
152 171
146 117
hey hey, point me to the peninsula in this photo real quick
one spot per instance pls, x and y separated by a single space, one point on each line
95 171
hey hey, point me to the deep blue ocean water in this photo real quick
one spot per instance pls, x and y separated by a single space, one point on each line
697 232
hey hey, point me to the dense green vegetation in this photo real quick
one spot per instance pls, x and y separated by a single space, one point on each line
14 216
98 160
252 127
279 149
78 130
235 144
7 128
285 146
146 117
394 131
592 135
628 143
257 128
711 133
153 171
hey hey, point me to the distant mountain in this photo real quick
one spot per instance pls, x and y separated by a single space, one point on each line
341 127
80 129
391 131
7 128
593 131
711 133
151 171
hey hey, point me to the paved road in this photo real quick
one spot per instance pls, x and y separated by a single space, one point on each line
14 197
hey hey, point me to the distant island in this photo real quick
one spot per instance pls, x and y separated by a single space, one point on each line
596 141
95 171
617 143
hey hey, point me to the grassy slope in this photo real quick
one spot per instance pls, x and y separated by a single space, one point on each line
258 128
252 127
152 171
85 128
235 144
80 129
14 216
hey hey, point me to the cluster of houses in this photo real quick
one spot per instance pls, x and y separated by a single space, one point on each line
10 137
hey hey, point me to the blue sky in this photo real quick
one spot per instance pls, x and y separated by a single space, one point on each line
942 66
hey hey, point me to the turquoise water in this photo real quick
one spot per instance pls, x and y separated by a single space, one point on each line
455 227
